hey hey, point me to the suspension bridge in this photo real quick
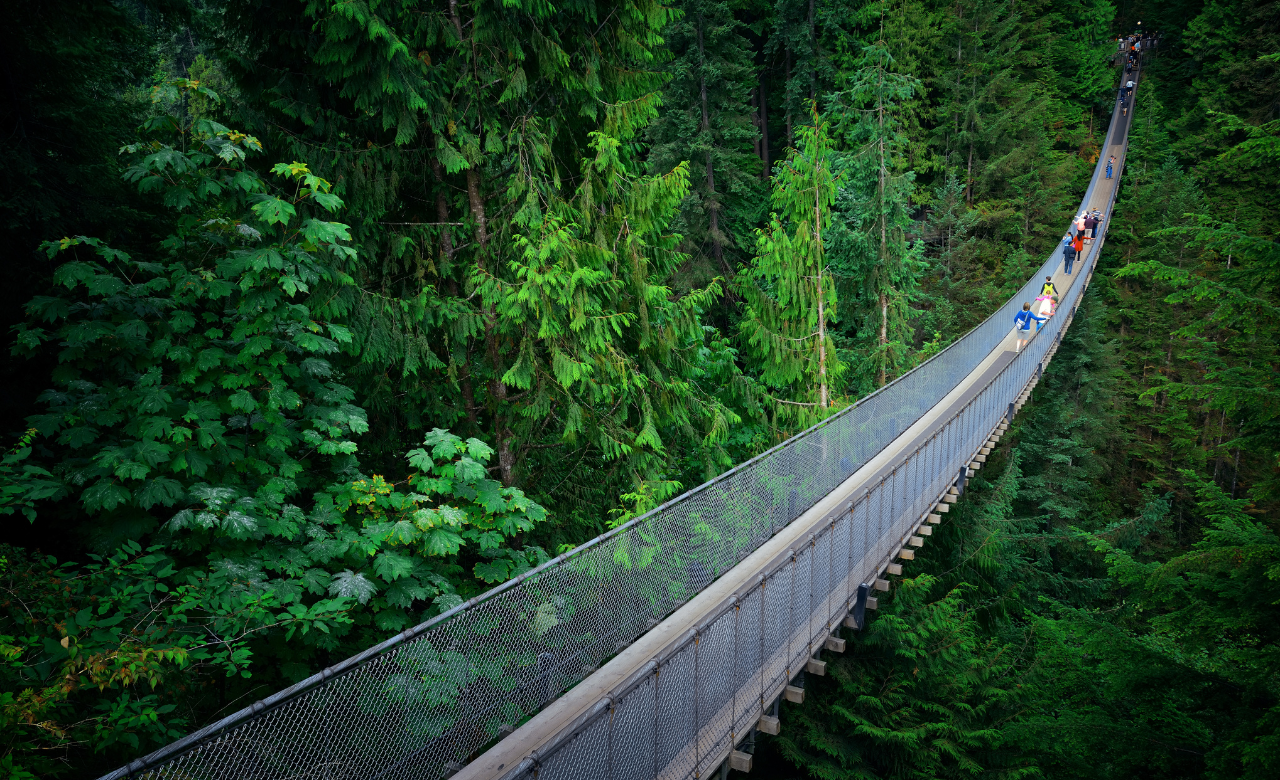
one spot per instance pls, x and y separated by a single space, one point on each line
658 650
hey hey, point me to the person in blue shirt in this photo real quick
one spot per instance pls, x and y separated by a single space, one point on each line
1022 323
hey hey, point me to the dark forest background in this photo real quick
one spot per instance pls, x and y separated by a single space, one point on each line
327 316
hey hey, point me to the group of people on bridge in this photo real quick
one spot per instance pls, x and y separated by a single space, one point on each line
1131 48
1046 305
1084 228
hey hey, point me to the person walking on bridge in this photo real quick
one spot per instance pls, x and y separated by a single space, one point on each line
1110 162
1047 288
1022 323
1048 305
1068 258
1090 226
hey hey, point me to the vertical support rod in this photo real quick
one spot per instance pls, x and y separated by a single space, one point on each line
860 607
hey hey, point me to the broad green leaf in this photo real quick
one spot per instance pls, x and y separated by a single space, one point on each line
274 211
353 585
493 572
391 566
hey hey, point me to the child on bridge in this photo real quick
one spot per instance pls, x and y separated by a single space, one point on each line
1022 324
1047 304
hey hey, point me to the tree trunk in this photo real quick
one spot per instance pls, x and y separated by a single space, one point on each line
968 179
884 338
1222 428
755 120
764 126
884 227
442 211
790 135
813 53
822 312
713 203
457 22
476 199
497 390
446 252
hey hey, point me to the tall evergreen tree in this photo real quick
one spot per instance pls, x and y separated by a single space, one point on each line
985 49
916 31
875 257
926 689
923 694
788 291
707 121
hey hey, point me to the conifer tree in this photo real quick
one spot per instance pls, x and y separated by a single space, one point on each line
796 45
899 707
790 297
915 31
983 45
955 299
1002 129
879 264
706 120
602 353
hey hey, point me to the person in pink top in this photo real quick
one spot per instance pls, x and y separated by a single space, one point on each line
1045 304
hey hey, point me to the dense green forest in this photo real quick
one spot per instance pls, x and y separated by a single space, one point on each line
326 316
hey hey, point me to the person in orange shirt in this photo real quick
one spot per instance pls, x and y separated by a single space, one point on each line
1078 244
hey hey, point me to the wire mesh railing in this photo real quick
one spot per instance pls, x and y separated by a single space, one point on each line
424 701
